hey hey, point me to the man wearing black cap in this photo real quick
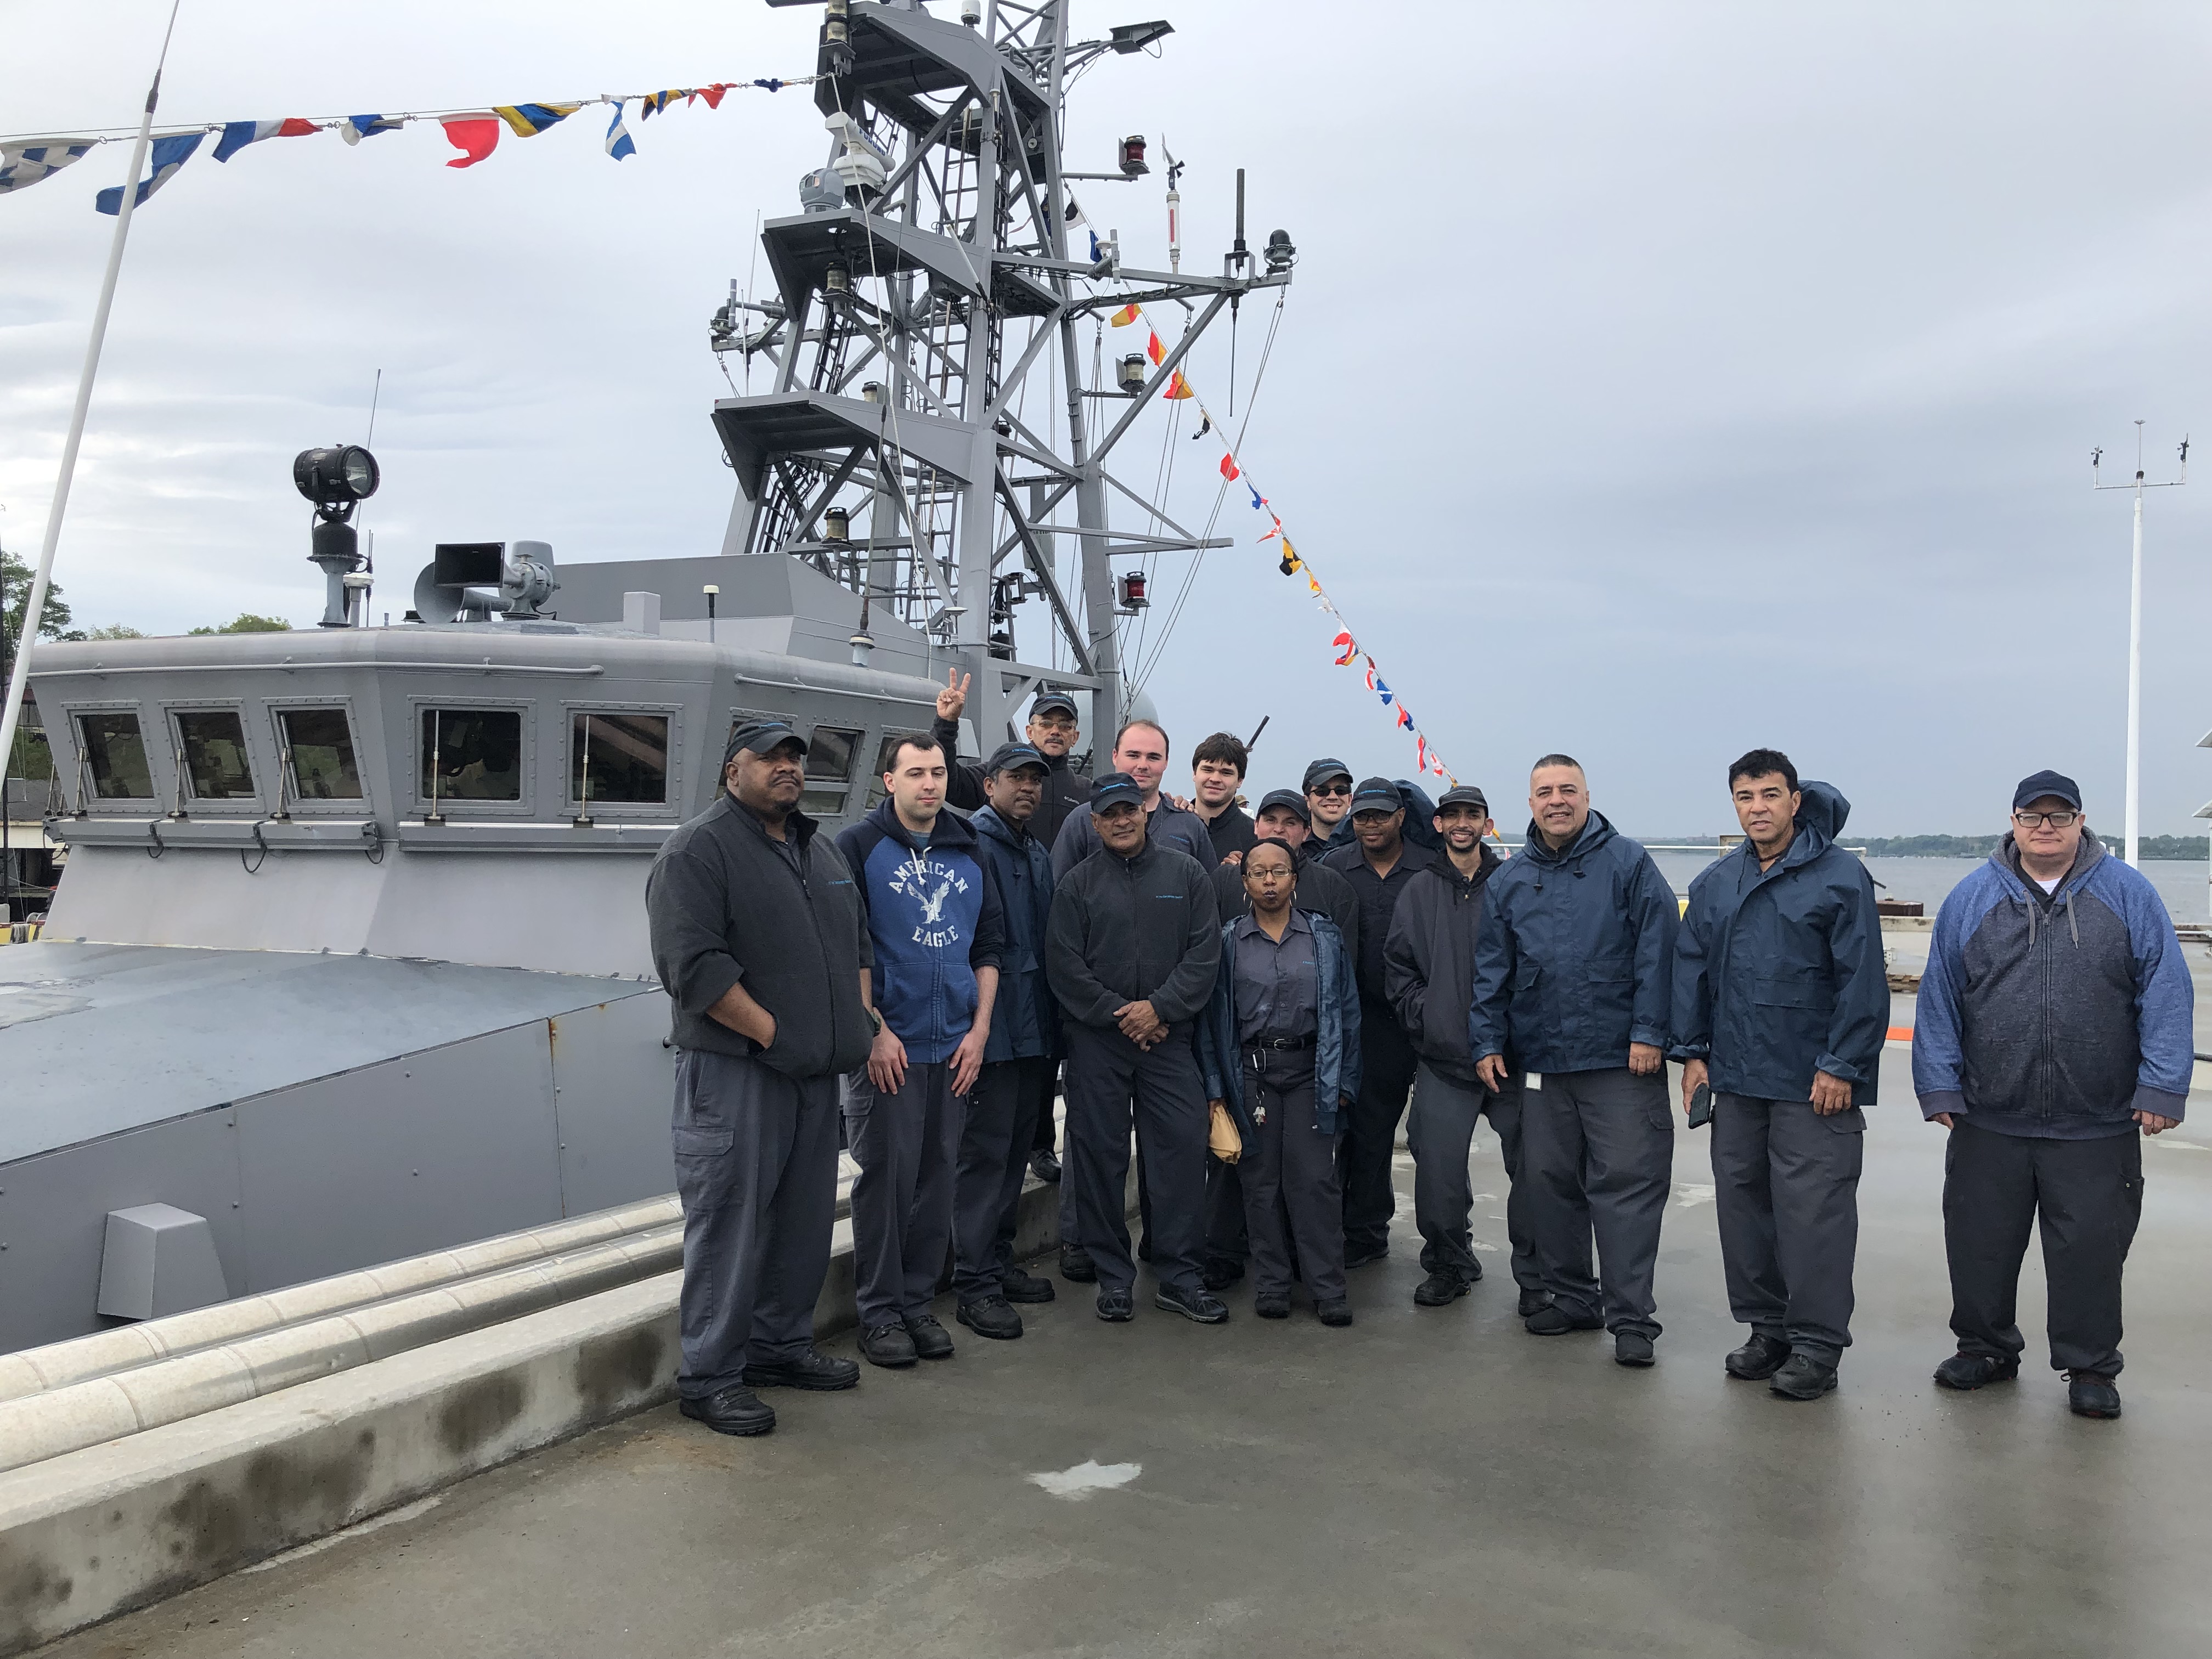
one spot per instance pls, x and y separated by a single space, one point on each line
760 941
938 929
2055 1022
1320 891
1378 864
1130 951
1019 1060
1429 968
1328 802
1053 732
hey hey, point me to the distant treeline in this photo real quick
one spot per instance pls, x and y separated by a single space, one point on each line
1980 847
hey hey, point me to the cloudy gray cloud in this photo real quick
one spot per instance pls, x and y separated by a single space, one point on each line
1658 380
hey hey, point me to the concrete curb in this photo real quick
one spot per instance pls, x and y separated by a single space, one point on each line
100 1531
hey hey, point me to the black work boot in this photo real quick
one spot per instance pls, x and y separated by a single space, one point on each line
1804 1378
1220 1273
812 1369
1439 1288
1552 1320
1964 1372
1758 1359
931 1339
1018 1287
1044 1166
2089 1394
1076 1267
887 1345
991 1316
730 1410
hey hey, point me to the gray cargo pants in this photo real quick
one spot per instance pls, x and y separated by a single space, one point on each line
756 1173
1439 1131
908 1146
995 1157
1111 1085
1598 1148
1287 1179
2084 1196
1786 1184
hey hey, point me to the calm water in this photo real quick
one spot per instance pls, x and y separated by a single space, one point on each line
2180 884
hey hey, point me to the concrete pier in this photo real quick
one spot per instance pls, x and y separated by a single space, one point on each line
1430 1481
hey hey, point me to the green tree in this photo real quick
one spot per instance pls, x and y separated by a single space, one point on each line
16 584
248 622
114 631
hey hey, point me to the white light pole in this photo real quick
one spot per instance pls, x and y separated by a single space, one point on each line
2134 633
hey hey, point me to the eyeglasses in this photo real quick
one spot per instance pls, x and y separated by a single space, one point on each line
2056 820
1330 789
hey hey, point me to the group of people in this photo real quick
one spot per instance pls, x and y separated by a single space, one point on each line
1258 999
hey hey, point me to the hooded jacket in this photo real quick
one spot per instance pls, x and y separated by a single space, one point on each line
726 905
1025 1020
1428 961
1064 787
935 917
1336 1036
1779 973
2058 1017
1575 954
1132 930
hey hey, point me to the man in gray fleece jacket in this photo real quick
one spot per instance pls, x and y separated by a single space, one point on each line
760 940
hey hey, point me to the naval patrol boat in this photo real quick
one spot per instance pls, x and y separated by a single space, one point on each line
347 961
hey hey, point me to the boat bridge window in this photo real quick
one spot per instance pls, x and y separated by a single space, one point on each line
213 745
320 746
114 752
831 750
618 759
471 754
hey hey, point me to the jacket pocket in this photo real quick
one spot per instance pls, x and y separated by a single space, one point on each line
801 1047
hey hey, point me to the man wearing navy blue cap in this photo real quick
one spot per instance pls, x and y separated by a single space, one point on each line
1378 863
1327 789
760 940
1019 1060
1130 951
2055 1029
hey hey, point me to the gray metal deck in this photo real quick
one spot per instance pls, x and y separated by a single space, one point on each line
1427 1482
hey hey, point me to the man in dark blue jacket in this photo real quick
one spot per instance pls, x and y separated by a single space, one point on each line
1020 1059
1572 973
2055 1020
935 925
1781 1007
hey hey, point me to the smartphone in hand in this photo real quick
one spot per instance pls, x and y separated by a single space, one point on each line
1701 1106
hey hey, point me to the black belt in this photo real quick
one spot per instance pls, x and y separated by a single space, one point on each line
1284 1045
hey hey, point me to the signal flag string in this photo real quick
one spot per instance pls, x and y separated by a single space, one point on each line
1348 651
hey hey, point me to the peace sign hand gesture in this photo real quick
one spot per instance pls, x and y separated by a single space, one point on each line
954 698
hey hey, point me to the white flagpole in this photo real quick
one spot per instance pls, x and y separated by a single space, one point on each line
35 607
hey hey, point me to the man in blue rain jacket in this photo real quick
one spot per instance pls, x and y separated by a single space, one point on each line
1781 1005
1571 976
937 930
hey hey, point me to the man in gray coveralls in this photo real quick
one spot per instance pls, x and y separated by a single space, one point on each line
759 937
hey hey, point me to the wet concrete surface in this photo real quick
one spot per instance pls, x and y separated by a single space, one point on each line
1429 1481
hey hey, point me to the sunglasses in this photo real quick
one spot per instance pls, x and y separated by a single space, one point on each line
1330 789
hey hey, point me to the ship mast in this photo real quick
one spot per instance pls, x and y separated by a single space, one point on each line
936 271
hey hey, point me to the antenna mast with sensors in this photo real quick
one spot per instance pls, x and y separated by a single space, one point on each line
927 282
2135 635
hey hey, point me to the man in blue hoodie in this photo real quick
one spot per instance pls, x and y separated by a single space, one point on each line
1020 1058
2056 1021
1572 976
935 925
1781 1008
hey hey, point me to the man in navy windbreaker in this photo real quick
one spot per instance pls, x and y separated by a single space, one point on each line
1572 969
2055 1021
1781 1005
934 923
1020 1060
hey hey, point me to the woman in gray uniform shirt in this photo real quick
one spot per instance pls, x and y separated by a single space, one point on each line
1279 1047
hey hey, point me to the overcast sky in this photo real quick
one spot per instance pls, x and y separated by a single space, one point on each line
1658 379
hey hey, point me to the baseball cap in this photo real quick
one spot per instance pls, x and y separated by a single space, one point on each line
1289 800
760 737
1008 756
1464 794
1054 701
1325 769
2036 785
1376 795
1110 788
